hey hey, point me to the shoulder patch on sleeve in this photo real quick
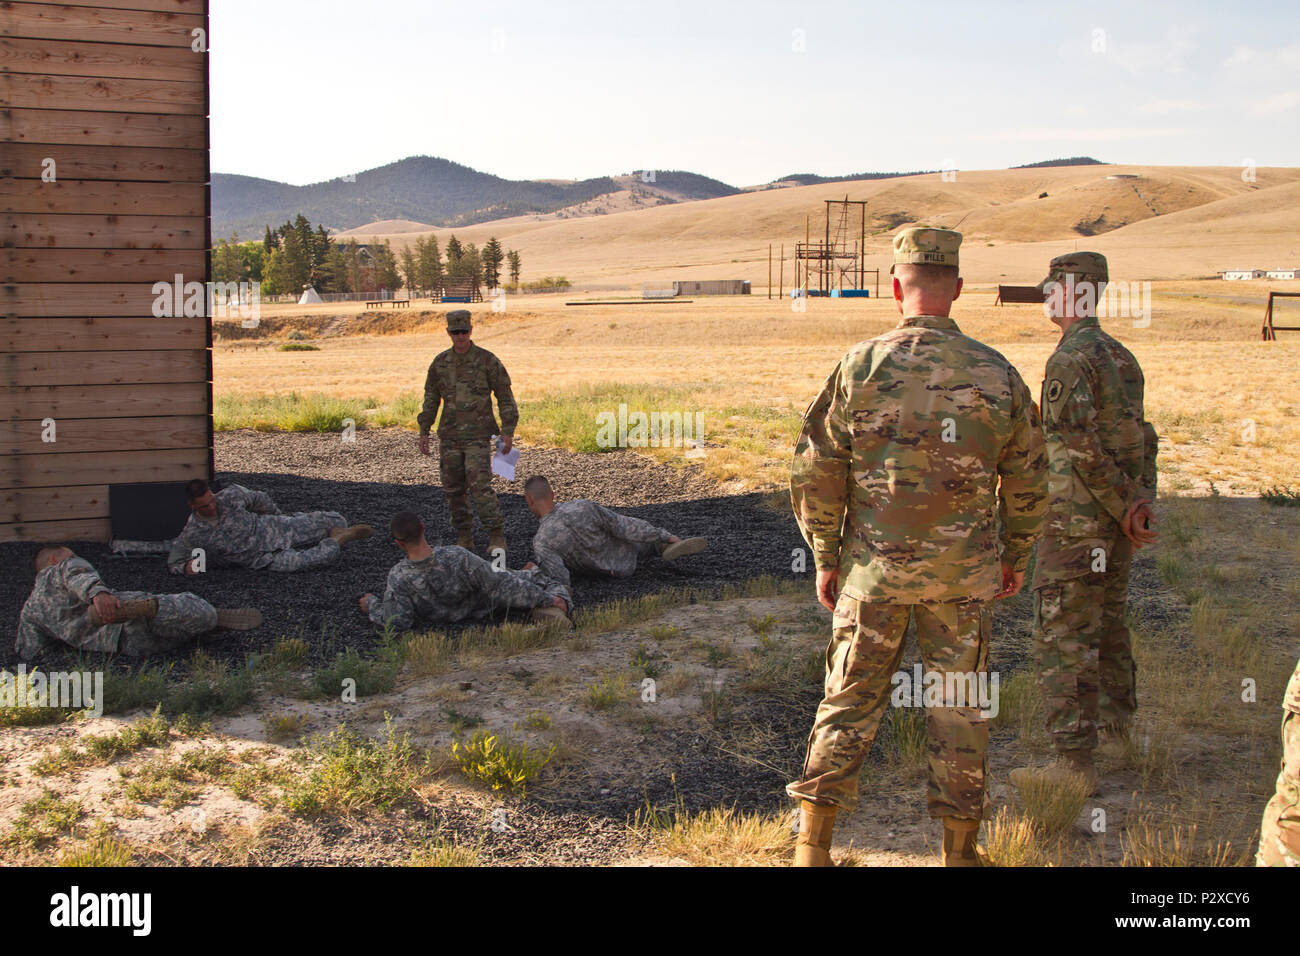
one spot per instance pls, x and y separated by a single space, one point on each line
1058 384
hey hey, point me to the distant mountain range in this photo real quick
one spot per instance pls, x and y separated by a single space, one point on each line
440 192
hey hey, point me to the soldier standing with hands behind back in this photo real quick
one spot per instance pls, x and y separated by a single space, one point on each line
1102 460
919 481
462 380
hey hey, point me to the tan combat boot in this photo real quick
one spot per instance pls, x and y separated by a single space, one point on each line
544 616
465 539
238 618
960 842
680 549
129 610
1075 764
1080 762
496 539
354 533
816 823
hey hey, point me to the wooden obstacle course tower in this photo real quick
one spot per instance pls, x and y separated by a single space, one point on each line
837 262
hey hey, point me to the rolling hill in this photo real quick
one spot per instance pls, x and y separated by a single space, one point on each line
1154 221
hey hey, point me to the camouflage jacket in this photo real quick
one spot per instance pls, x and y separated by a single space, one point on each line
247 530
581 535
1100 449
919 466
453 585
463 385
1291 701
57 610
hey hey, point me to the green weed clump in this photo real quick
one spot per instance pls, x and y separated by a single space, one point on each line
500 764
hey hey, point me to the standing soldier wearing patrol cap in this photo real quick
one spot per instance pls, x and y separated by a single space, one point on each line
919 481
1102 460
462 380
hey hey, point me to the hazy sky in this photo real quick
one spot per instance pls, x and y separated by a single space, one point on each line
747 91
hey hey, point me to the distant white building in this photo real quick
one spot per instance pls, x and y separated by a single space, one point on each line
1284 273
1244 274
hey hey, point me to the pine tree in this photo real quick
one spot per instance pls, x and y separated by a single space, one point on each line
386 267
454 254
410 270
271 242
513 257
471 264
297 262
428 263
492 258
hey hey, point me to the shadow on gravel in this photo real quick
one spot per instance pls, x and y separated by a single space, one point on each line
746 539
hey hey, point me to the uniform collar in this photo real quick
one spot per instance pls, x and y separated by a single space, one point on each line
930 322
1090 322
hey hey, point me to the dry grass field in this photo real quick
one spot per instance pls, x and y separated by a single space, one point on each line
751 365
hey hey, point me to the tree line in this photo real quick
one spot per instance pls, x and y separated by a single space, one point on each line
294 256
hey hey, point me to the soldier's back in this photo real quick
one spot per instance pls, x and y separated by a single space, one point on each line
931 412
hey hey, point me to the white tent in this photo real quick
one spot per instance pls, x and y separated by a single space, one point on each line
310 297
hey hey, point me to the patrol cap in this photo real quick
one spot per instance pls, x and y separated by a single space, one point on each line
1084 266
926 245
458 320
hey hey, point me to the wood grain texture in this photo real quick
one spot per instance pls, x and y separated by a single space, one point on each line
55 231
115 94
108 436
104 129
38 471
101 334
70 58
48 21
99 265
23 369
76 197
61 402
77 529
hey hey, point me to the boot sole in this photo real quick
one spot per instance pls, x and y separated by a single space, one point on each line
685 547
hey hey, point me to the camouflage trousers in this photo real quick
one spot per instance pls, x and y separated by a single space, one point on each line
180 619
1279 834
466 473
864 653
1082 645
313 528
551 587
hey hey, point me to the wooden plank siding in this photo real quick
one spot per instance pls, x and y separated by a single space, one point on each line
65 231
60 58
104 191
119 164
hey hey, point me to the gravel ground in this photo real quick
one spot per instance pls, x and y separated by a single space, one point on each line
382 473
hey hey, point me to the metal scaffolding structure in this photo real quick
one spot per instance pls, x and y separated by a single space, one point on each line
839 260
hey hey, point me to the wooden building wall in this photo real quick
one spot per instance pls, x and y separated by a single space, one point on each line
114 93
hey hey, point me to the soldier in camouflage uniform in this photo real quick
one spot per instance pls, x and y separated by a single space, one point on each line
449 585
583 536
462 380
919 482
1102 461
1279 835
236 527
71 604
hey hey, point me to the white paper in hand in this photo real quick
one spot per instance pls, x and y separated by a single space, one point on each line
504 464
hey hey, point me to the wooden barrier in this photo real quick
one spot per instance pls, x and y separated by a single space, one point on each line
1269 332
1019 295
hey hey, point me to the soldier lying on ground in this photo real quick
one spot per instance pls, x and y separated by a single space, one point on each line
448 585
242 528
70 603
583 536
